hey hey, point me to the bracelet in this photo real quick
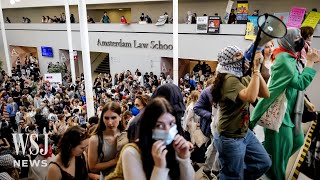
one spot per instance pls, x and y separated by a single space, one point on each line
256 71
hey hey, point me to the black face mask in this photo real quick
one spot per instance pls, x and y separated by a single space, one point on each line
299 45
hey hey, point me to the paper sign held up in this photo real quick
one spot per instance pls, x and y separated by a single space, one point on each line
296 17
311 20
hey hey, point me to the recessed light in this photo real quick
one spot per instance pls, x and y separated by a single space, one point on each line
17 0
120 9
12 2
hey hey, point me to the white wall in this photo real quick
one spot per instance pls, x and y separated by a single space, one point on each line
123 62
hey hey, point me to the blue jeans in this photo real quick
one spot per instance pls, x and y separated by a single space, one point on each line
241 158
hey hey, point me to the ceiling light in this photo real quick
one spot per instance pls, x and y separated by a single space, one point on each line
120 9
17 0
12 2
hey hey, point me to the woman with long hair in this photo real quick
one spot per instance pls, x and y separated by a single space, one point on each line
161 153
287 77
70 162
267 60
192 121
241 155
103 144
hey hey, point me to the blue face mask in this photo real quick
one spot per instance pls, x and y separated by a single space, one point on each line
166 136
135 111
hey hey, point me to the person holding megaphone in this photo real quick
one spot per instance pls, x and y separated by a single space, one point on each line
241 154
288 80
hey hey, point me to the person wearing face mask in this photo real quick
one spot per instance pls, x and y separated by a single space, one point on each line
241 155
287 77
161 152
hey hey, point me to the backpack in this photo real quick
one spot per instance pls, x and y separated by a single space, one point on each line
117 174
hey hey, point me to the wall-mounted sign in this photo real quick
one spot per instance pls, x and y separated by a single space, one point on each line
202 24
214 24
284 16
135 44
46 51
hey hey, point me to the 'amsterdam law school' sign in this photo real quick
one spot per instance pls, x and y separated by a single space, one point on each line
136 44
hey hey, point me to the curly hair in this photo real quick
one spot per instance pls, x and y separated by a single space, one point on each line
216 88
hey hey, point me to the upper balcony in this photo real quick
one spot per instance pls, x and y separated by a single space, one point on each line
46 3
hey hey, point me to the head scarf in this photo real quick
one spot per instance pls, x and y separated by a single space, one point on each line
7 162
288 41
227 63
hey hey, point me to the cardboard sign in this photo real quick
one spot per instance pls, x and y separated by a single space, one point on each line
296 17
202 24
214 24
311 20
252 28
228 10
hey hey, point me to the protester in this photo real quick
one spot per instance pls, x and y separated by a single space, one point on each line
240 153
287 77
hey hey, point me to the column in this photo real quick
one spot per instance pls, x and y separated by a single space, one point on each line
71 56
86 56
5 42
175 43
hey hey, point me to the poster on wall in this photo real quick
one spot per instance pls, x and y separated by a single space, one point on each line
252 28
214 24
202 24
296 17
311 20
284 16
228 10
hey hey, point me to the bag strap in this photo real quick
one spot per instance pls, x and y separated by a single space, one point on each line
118 171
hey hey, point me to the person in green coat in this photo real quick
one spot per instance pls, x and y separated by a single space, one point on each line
285 76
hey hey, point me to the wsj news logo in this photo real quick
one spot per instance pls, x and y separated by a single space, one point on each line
34 149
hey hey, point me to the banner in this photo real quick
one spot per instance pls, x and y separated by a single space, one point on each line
54 78
202 24
243 10
228 10
284 16
311 20
296 17
243 7
214 24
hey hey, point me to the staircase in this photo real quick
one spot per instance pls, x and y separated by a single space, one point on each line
104 66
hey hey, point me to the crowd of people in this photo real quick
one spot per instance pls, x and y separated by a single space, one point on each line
146 127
